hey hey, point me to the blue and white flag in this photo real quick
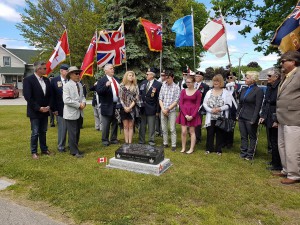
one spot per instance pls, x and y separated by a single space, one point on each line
184 30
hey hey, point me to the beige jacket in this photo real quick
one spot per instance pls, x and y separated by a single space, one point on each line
72 100
288 100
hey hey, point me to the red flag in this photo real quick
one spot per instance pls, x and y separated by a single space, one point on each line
102 160
213 37
88 61
59 54
154 35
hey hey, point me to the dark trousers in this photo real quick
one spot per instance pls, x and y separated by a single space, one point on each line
158 129
150 120
273 136
248 138
52 118
73 127
109 123
198 130
38 133
212 132
228 139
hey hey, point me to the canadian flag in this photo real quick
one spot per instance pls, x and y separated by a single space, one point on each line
213 37
102 160
59 54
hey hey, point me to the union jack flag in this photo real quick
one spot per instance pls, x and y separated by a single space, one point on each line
110 48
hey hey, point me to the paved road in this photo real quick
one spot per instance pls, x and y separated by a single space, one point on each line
21 101
13 214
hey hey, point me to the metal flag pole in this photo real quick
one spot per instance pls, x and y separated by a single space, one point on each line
123 32
194 51
223 24
160 60
96 43
68 45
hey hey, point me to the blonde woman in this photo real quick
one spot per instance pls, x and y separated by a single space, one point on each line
129 96
248 114
216 101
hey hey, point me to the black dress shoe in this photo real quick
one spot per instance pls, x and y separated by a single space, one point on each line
114 142
78 155
274 168
105 144
166 146
47 153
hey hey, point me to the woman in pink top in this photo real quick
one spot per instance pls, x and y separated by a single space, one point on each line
189 103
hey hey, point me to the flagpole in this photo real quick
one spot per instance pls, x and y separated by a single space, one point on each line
123 30
68 45
194 51
96 43
160 60
226 40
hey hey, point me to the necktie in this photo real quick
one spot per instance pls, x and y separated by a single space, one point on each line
65 80
78 89
148 86
116 86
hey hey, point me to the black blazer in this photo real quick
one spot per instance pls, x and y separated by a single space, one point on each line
106 96
57 103
203 89
249 106
269 105
150 102
34 95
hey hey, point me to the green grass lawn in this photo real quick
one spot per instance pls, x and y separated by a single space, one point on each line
197 189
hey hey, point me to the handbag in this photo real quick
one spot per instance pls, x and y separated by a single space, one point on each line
226 124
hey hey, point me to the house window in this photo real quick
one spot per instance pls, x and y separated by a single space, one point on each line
6 61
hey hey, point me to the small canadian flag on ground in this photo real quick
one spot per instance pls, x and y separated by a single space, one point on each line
102 160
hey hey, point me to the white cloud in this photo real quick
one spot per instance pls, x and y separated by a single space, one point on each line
271 57
233 49
14 2
9 13
230 36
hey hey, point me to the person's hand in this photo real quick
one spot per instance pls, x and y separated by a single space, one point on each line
44 109
82 106
108 83
275 125
55 113
261 120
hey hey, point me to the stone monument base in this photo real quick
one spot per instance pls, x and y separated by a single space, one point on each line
139 167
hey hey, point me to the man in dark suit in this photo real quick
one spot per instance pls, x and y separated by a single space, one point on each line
248 115
108 90
37 93
181 83
57 105
149 93
203 88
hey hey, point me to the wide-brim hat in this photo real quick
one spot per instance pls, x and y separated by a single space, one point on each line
73 69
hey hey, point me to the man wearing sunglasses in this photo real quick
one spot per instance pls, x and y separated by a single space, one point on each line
288 116
75 102
37 93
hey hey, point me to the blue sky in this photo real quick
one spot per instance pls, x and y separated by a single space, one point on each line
238 45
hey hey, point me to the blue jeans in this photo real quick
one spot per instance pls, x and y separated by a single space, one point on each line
38 132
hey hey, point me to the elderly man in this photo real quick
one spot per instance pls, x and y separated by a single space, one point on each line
37 93
149 93
288 116
168 99
75 102
182 83
57 105
108 90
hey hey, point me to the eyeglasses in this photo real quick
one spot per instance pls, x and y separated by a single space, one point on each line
269 75
230 77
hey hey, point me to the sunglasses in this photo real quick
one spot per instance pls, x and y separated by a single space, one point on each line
284 60
269 75
230 77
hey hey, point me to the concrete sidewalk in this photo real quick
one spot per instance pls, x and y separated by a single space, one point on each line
13 214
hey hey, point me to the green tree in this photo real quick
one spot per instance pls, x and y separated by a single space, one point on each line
43 24
139 58
266 15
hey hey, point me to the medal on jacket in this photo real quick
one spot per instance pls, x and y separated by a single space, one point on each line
153 92
59 84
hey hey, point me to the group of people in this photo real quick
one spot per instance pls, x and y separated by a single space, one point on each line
128 104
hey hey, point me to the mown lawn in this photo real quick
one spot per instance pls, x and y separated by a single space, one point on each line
197 189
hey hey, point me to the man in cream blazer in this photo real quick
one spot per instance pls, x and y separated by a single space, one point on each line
288 117
74 103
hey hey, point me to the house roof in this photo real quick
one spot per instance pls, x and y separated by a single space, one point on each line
27 55
12 70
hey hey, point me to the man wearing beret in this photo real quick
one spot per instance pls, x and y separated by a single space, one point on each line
57 105
288 116
149 93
